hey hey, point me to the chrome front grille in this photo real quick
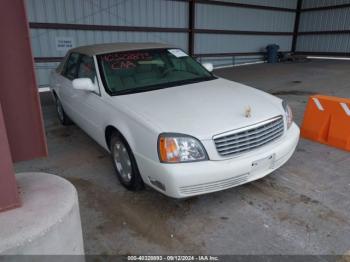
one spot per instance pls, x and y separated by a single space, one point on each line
249 138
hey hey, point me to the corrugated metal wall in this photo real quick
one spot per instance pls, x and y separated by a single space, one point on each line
166 13
324 20
160 13
319 3
243 19
153 13
274 3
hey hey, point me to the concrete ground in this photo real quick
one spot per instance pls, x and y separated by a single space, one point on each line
302 208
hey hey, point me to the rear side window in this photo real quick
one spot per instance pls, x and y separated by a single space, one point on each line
60 67
71 67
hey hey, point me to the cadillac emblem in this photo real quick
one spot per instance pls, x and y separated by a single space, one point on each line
248 112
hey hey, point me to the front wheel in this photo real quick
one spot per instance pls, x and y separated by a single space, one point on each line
125 164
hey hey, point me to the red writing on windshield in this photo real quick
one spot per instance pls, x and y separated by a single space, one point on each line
125 60
122 65
126 57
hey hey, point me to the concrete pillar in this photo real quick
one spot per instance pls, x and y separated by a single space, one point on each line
47 223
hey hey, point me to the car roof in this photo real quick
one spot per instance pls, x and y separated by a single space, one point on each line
99 49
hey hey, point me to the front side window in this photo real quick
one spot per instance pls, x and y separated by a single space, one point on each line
87 68
145 70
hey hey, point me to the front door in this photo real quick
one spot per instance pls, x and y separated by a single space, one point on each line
89 105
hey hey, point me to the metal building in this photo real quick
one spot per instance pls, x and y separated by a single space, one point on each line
222 32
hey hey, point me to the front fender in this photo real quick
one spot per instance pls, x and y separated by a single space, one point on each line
139 134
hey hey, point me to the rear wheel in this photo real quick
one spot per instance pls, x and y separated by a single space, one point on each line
125 164
62 116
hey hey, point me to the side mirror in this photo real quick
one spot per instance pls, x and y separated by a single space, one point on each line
84 84
208 66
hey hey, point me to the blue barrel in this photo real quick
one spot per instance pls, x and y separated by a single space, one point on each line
272 53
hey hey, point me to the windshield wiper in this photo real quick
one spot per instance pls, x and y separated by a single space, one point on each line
199 79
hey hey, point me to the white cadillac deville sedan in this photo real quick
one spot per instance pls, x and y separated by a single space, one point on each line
168 122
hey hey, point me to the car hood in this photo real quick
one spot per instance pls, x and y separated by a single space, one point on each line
202 109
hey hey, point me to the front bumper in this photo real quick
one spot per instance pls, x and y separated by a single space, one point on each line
190 179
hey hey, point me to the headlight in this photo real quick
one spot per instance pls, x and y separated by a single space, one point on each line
177 148
289 114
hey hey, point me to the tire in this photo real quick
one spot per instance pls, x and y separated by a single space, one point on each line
62 116
125 164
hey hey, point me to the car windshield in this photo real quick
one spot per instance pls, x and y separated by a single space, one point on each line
145 70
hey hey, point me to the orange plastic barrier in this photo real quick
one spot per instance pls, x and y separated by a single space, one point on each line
327 120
